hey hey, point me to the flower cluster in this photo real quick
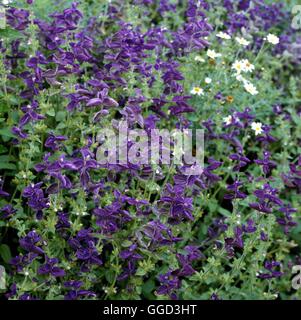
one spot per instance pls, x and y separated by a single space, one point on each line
72 227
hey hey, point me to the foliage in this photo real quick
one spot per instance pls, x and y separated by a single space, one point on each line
71 228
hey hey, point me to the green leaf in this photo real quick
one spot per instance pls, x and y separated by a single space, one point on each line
9 33
51 112
140 272
126 243
224 212
110 276
61 125
2 149
8 166
60 116
5 163
6 132
5 253
148 287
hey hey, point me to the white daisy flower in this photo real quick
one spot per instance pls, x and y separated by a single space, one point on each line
257 128
247 66
199 59
238 66
273 39
228 120
212 54
197 91
249 87
242 41
223 35
208 80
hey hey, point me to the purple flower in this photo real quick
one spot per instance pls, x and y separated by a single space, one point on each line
214 297
17 18
192 253
102 98
293 178
7 211
62 22
85 250
266 137
49 268
236 242
4 193
21 261
176 204
207 176
286 221
12 291
75 292
31 242
159 234
89 254
62 221
242 161
112 217
55 170
219 96
266 163
245 115
84 165
271 267
235 193
261 207
169 284
30 114
36 197
131 201
53 141
268 193
130 253
75 284
27 296
263 236
180 106
18 132
249 227
128 271
218 227
267 197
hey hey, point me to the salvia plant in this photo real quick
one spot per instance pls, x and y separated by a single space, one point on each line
73 228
